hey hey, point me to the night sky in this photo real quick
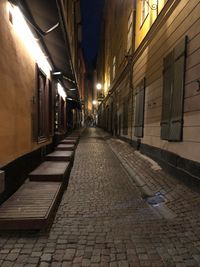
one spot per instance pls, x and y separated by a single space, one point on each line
91 21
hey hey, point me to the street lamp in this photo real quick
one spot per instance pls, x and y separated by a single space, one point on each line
99 86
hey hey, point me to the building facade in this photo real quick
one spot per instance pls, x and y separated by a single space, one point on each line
152 99
40 92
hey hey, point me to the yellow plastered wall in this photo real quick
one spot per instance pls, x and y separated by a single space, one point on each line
143 26
17 89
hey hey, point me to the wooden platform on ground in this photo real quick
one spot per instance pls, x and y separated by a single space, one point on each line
72 138
53 171
60 156
65 147
69 141
31 207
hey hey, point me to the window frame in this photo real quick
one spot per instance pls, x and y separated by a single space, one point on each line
144 12
41 107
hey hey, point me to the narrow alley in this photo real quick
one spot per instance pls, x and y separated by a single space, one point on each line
100 133
104 219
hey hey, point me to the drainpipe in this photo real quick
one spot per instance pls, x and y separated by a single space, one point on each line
131 66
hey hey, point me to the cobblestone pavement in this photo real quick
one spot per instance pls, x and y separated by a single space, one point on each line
104 218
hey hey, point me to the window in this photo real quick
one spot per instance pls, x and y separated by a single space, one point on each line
139 109
145 11
130 30
41 105
173 93
114 67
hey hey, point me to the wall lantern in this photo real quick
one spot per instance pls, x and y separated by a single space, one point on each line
61 91
31 43
99 86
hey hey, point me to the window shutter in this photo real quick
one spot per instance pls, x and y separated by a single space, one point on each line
176 122
166 96
139 109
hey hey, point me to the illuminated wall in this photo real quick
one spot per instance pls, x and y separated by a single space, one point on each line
17 87
144 23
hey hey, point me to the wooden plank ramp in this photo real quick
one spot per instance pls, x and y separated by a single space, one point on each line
69 141
75 138
53 171
65 147
31 206
60 156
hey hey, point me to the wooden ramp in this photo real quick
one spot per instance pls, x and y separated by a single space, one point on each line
31 207
65 147
60 156
53 171
69 141
72 138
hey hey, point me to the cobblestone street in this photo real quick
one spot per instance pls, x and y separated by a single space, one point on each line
104 218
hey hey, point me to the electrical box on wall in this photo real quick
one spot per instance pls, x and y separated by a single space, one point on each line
2 181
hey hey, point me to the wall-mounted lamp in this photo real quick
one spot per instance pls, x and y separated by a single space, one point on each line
25 34
99 86
56 73
61 91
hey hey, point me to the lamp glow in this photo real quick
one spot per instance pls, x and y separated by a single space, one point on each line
61 91
22 29
94 102
57 73
99 86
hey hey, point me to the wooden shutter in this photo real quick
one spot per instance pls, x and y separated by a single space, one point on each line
176 121
166 96
139 109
